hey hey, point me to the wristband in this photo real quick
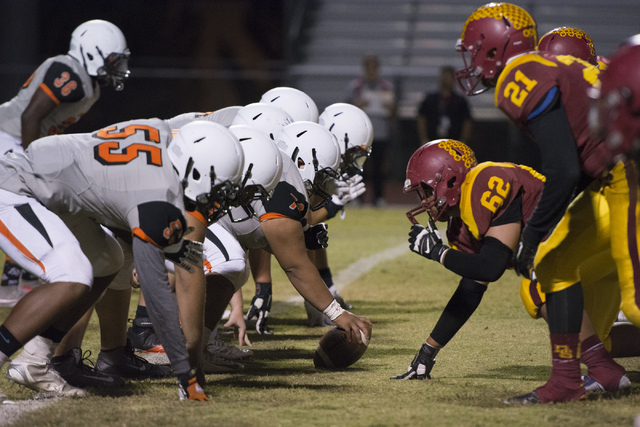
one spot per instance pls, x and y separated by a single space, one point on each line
333 310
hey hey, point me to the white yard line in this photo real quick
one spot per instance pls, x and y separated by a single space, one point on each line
350 274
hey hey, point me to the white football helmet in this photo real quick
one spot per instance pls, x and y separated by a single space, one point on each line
352 127
262 165
267 118
298 104
102 49
316 153
209 161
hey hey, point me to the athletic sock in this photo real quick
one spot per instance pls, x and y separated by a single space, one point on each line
565 384
325 274
600 364
8 344
141 311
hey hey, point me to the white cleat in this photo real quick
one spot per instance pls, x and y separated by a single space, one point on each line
32 369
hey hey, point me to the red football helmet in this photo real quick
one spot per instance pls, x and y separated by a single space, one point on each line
493 34
618 101
436 171
569 41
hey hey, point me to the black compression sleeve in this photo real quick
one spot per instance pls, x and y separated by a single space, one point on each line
560 165
487 266
564 310
461 306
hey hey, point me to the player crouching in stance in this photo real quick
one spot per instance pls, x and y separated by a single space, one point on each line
131 176
277 221
486 206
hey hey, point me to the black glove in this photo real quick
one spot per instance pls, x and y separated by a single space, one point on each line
421 365
188 255
260 307
316 237
525 253
426 241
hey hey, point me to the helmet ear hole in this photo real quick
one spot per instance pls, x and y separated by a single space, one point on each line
196 175
451 182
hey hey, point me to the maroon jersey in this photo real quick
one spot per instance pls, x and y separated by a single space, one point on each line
486 194
525 81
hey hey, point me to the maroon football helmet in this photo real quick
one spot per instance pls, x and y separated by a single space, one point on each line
569 41
492 34
436 171
618 101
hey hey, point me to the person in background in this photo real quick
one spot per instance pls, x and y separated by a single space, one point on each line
444 114
375 95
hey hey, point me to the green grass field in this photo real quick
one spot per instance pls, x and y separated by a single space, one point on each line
501 352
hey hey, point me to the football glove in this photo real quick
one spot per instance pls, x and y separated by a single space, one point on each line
348 190
315 317
189 388
316 236
187 255
260 307
420 368
427 241
523 263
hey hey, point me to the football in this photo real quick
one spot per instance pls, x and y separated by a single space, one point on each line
335 352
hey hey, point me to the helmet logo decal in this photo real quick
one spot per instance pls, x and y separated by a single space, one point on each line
459 151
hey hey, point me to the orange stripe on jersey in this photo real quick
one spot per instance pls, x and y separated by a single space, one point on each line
529 57
272 215
6 233
207 265
197 215
46 90
142 235
26 84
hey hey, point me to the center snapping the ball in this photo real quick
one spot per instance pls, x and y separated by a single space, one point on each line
336 352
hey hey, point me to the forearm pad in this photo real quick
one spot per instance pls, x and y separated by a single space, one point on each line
487 266
461 306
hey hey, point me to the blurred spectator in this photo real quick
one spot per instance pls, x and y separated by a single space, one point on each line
444 113
375 96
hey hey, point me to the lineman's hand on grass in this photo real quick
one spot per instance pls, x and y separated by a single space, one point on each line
354 324
190 389
236 320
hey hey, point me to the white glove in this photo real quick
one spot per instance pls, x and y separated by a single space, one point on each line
348 190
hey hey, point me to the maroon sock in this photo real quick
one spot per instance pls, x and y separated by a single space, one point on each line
565 384
600 364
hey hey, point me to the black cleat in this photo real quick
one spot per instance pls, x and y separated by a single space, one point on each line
72 368
122 361
526 399
143 337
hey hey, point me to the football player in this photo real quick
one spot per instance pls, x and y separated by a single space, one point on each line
131 176
58 94
277 221
546 95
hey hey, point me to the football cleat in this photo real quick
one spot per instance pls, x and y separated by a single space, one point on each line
593 386
221 349
421 366
143 337
72 368
123 362
40 376
526 399
213 364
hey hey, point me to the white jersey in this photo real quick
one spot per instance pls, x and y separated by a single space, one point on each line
66 82
115 176
289 200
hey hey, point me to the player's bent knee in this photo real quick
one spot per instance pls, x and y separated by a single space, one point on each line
532 297
110 260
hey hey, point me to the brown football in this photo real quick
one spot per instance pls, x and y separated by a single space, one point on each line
335 352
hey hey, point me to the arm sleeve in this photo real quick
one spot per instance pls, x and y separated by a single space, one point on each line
560 164
161 302
486 266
